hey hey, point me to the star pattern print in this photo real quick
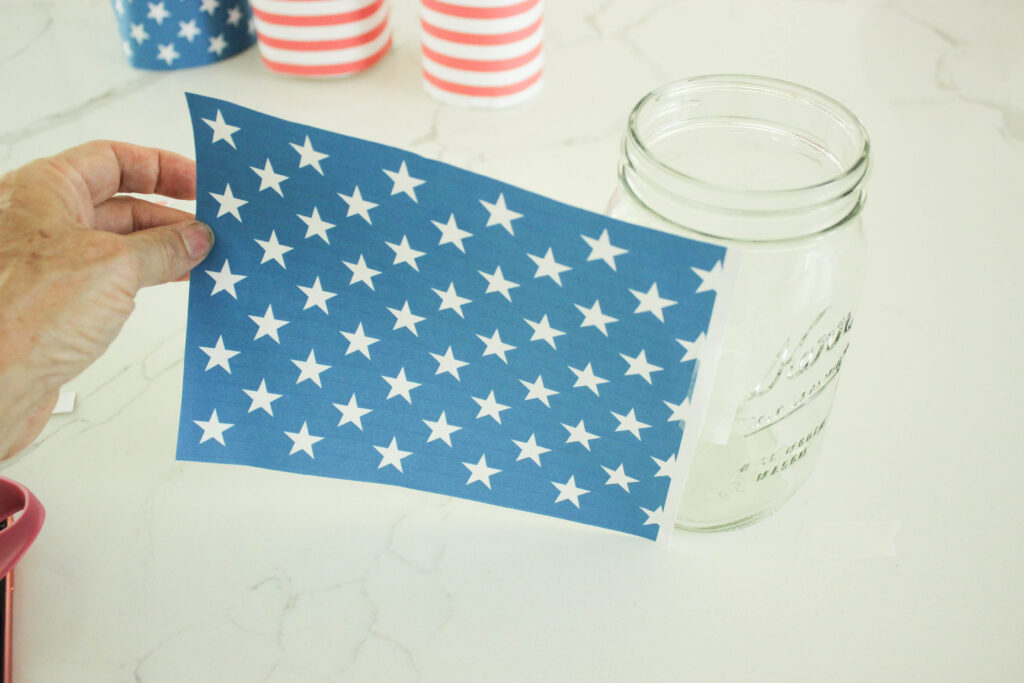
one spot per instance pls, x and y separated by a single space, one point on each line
177 34
451 333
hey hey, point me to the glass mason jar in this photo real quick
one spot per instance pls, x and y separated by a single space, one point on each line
777 173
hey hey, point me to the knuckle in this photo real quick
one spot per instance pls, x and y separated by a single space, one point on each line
106 254
166 255
104 247
94 147
55 171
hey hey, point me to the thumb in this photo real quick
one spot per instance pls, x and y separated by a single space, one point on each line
168 252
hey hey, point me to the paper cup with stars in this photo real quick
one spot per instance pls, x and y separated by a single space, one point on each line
322 37
177 34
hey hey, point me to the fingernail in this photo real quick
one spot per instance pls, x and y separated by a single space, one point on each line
198 239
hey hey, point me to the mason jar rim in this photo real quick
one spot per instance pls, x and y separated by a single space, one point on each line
856 170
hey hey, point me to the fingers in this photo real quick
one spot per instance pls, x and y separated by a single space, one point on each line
102 168
124 215
168 252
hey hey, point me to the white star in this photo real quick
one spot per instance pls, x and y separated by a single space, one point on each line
400 386
157 12
310 369
693 348
224 280
548 266
537 390
666 467
403 182
405 254
656 516
268 178
595 317
406 318
529 450
489 407
228 203
217 44
709 279
500 214
273 250
639 366
138 32
440 429
167 53
234 15
498 283
316 296
391 455
252 26
587 378
569 491
358 205
351 413
209 6
268 324
213 429
361 272
680 411
261 398
359 341
315 225
309 156
450 300
651 302
618 477
119 6
629 423
448 363
219 356
302 441
127 47
543 331
480 472
451 234
188 30
580 435
495 347
602 249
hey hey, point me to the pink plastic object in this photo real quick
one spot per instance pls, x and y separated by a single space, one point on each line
19 534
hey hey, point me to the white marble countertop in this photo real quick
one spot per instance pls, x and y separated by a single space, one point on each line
150 570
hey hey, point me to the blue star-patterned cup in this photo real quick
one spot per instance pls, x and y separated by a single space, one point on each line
177 34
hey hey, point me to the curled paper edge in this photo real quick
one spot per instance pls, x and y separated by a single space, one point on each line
65 403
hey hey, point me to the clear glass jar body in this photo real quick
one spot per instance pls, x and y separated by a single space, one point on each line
775 172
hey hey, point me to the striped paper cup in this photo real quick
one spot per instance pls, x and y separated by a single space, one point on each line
322 37
483 53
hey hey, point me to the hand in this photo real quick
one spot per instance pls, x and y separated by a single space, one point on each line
72 257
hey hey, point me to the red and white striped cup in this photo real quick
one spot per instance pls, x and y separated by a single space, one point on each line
484 53
321 37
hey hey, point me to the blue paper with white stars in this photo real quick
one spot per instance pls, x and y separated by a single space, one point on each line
177 34
370 314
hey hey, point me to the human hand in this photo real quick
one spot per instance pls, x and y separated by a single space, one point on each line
72 257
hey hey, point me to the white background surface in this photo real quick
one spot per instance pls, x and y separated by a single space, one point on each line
149 570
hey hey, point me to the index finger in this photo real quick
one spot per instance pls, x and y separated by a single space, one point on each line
103 168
